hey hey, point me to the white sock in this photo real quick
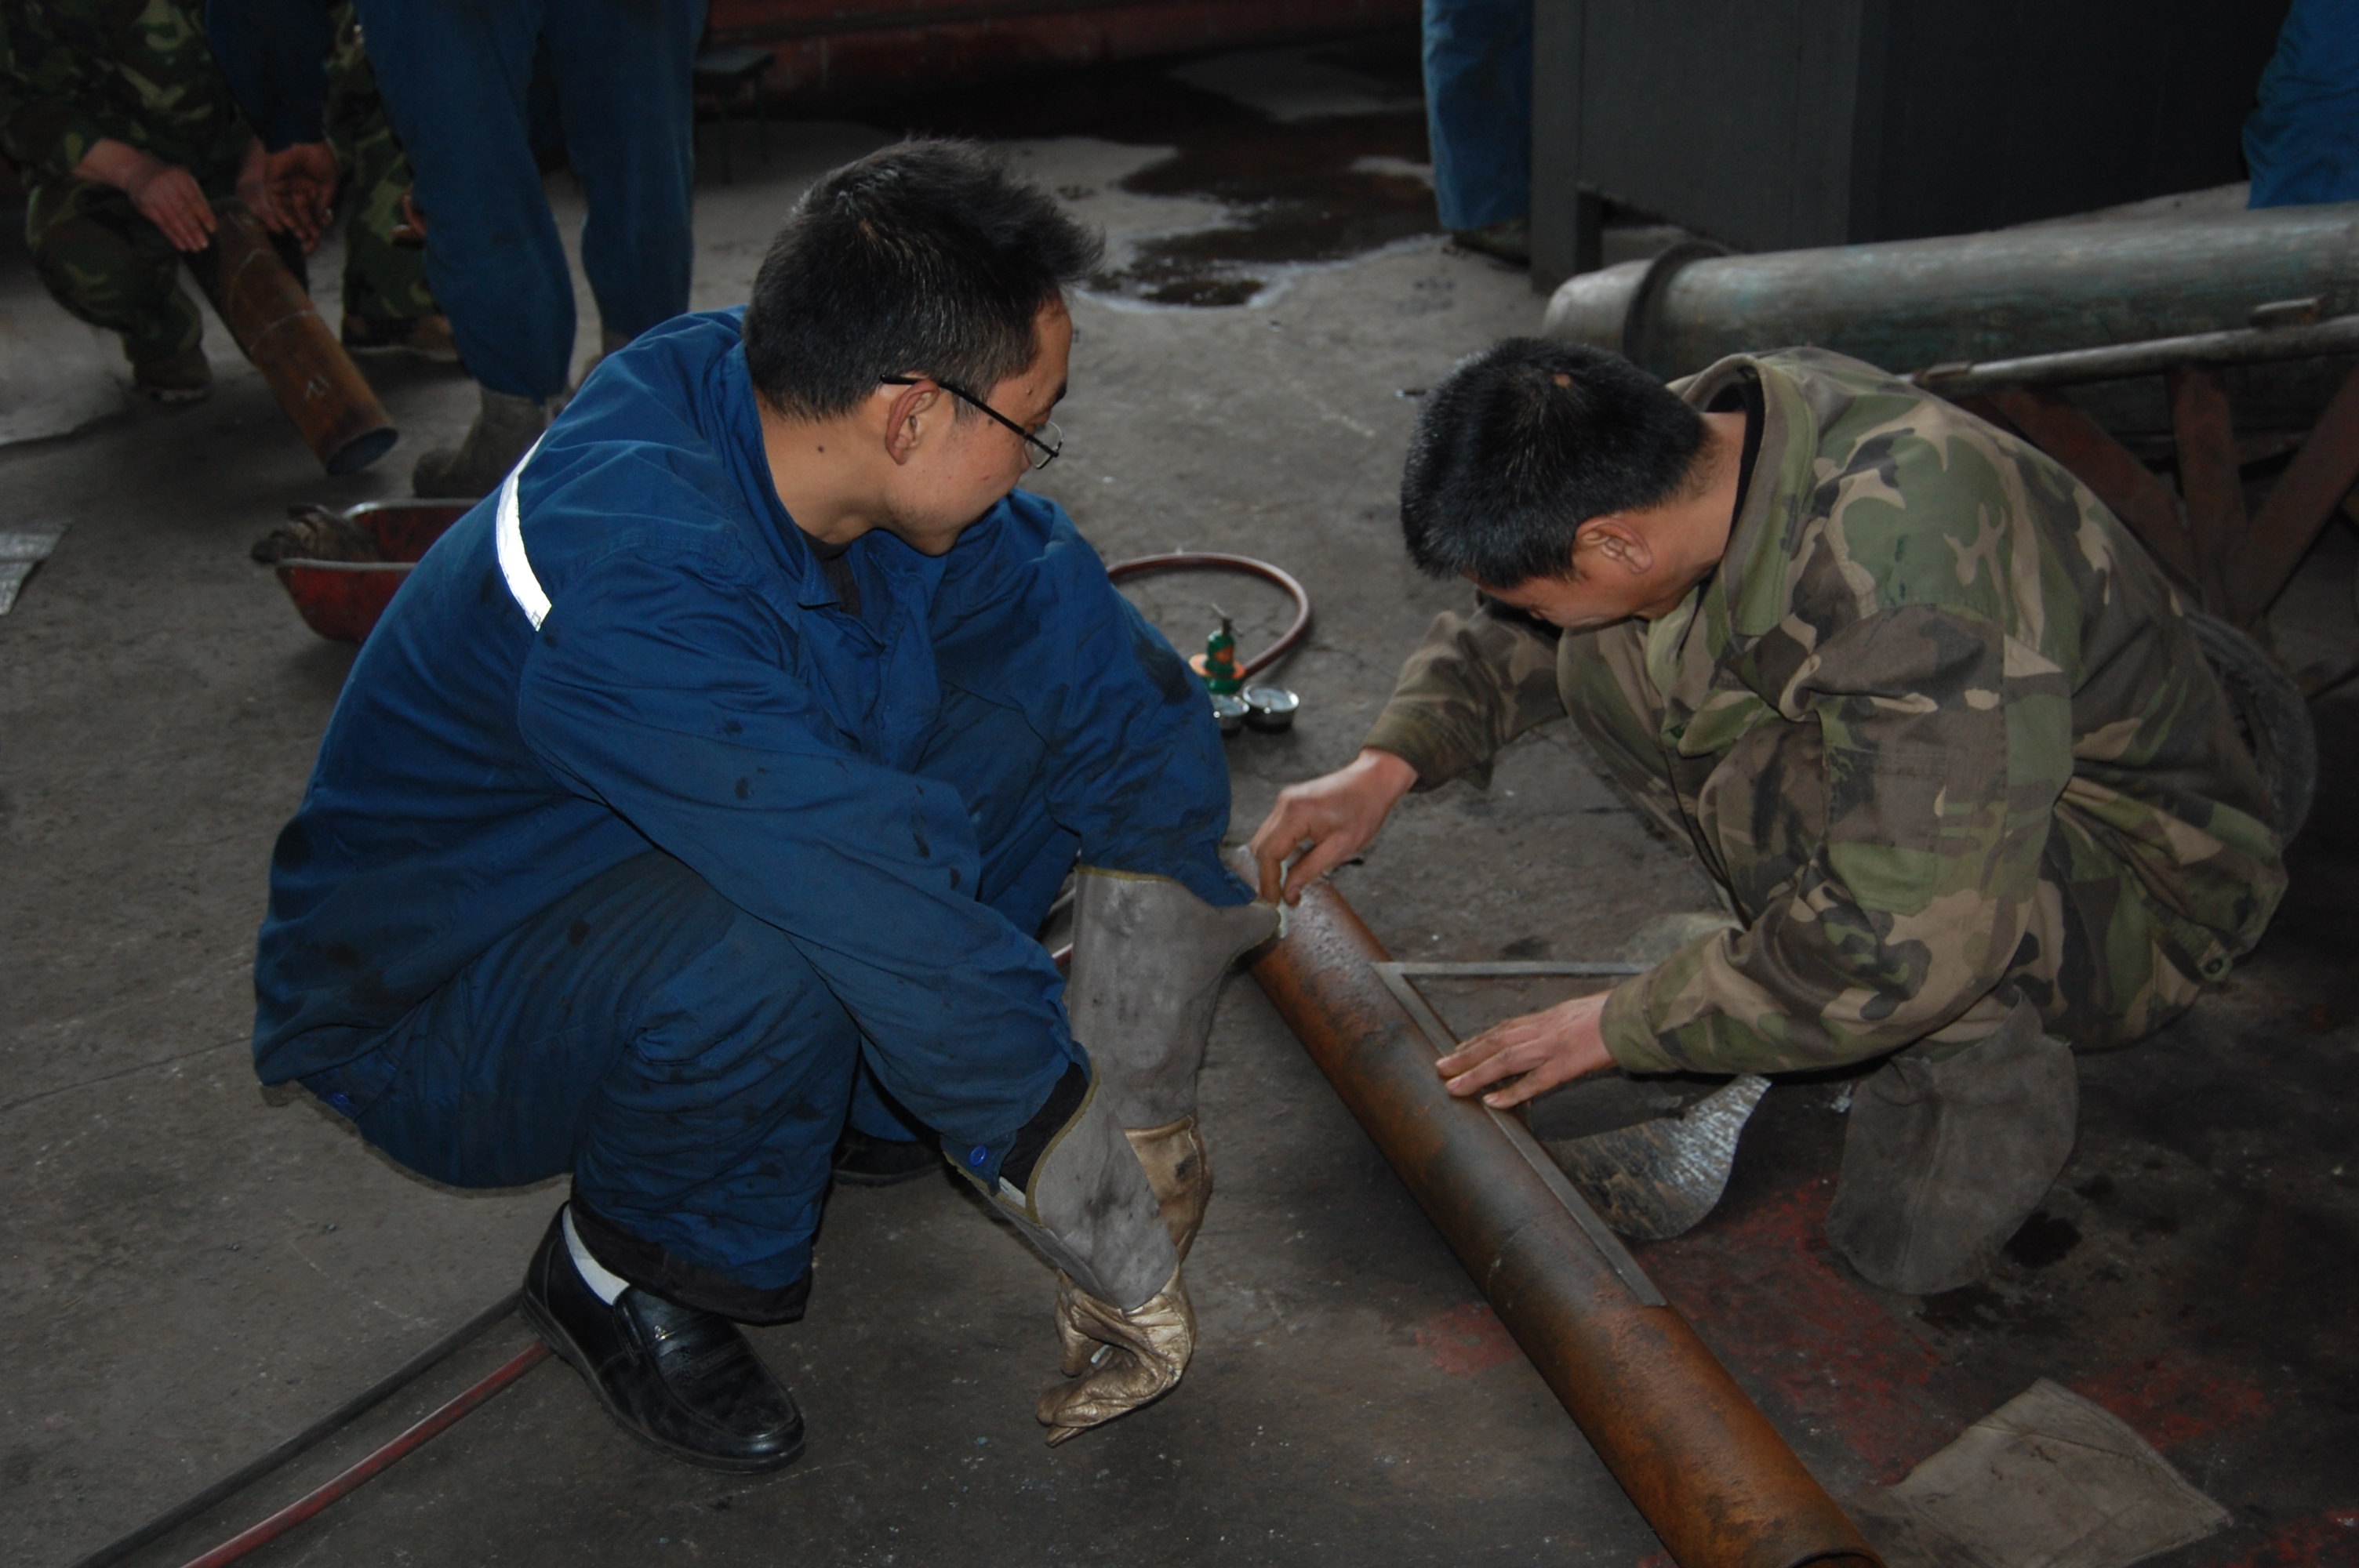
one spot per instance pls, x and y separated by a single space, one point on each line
603 1282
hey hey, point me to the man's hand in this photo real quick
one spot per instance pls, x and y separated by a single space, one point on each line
1329 820
166 194
1123 1359
1547 1048
302 185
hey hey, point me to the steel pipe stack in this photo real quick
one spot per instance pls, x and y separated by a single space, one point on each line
1697 1457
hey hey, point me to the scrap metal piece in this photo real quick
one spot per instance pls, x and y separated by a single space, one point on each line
1657 1179
1698 1460
21 549
2049 1478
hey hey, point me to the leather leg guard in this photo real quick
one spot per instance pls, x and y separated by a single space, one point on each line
1149 956
1088 1207
1178 1173
1945 1159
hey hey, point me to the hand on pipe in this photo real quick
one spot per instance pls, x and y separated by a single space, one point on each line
165 194
254 186
1123 1359
1547 1048
1326 821
302 187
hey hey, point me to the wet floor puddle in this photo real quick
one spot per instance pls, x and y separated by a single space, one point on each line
1297 188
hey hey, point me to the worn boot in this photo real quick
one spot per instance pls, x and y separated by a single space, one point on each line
175 380
1147 960
502 432
1946 1159
427 337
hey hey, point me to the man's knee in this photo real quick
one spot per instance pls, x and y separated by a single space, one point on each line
644 1004
111 267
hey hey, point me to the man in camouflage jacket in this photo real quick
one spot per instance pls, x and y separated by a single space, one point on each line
1926 714
119 120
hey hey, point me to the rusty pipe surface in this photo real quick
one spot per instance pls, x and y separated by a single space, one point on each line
266 309
1698 1458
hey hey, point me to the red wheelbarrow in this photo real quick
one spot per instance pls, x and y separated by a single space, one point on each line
342 569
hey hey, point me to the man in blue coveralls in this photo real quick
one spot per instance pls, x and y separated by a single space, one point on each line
733 749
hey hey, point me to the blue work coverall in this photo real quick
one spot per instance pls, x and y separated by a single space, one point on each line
630 841
1478 109
459 79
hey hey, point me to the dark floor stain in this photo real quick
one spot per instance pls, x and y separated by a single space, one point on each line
1962 1310
1295 192
2043 1238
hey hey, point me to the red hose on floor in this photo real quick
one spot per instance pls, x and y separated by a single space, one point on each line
1209 560
368 1470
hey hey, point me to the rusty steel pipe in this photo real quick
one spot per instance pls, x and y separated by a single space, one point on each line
267 312
1698 1458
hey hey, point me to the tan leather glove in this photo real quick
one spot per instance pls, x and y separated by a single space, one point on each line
1121 1360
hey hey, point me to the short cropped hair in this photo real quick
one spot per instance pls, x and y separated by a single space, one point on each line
925 258
1523 443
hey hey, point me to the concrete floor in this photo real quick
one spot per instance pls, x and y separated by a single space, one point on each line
195 1268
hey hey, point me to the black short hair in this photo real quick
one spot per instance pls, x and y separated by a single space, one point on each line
925 258
1524 442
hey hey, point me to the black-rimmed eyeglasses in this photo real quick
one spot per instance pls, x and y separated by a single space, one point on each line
1043 453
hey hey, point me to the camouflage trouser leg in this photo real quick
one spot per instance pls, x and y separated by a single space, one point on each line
2100 960
383 281
110 267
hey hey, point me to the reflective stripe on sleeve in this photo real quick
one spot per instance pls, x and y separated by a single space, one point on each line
515 565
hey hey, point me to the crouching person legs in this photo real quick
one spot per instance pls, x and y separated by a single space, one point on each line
682 1060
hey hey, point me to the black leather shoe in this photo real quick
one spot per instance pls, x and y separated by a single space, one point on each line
865 1162
677 1377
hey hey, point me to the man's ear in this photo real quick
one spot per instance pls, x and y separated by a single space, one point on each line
1612 541
910 414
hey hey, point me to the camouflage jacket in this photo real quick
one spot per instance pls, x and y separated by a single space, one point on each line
73 71
1977 646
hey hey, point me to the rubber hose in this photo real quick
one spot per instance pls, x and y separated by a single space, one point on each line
310 1437
1210 560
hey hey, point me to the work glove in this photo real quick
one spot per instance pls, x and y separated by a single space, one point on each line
1120 1359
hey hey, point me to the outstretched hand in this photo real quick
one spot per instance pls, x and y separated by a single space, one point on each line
1548 1048
1326 821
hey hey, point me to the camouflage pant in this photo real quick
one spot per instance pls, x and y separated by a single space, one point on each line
2099 960
110 267
383 281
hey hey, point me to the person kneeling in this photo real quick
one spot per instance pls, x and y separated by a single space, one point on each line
1928 717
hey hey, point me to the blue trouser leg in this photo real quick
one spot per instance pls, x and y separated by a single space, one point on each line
1478 108
456 75
623 70
678 1055
2302 142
